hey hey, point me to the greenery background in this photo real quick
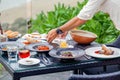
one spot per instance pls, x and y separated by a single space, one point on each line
100 24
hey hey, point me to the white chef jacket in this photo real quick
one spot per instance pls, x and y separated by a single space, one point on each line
112 7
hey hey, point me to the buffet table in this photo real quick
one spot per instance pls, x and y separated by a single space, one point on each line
18 71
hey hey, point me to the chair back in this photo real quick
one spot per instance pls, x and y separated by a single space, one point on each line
105 76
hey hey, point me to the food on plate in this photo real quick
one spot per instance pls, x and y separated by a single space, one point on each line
67 54
29 61
34 35
8 32
4 49
12 34
44 36
32 40
105 50
63 44
42 47
26 42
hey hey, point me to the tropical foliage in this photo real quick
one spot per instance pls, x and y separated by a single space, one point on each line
100 24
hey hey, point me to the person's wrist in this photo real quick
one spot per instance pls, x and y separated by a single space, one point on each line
59 31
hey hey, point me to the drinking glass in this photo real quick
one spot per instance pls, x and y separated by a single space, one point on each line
24 53
3 38
12 53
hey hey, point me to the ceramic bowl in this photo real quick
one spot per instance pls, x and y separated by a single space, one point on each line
82 36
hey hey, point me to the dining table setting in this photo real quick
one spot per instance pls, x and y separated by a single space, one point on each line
35 44
31 54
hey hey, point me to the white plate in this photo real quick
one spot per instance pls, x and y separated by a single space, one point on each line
29 61
38 36
91 52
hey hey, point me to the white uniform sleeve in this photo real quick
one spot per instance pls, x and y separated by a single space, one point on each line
90 9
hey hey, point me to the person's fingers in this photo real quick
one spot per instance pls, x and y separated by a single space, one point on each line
51 35
50 38
64 35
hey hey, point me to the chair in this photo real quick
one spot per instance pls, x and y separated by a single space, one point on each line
110 72
104 76
102 69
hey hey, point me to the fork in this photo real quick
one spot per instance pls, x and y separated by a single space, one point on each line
87 57
44 59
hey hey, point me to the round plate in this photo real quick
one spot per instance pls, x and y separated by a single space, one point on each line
29 61
32 47
11 43
91 52
75 52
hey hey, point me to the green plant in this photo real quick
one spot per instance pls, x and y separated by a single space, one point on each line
45 22
1 67
100 24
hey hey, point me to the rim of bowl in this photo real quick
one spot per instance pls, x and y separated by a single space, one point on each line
83 31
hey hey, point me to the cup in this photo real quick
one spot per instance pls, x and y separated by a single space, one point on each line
24 53
12 53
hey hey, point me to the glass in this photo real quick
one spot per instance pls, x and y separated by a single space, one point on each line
24 53
3 38
12 53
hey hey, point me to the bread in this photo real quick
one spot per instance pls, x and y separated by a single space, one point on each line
107 51
8 32
11 34
35 35
31 40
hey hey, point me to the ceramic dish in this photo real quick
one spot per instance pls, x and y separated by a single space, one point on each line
76 53
33 47
10 43
15 39
29 61
3 46
91 52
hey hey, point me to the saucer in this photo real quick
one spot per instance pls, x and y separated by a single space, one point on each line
29 61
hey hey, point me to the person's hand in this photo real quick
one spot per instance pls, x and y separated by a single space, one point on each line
63 35
51 35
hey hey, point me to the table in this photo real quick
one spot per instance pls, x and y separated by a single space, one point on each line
17 71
